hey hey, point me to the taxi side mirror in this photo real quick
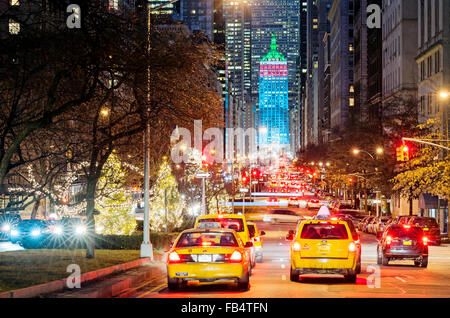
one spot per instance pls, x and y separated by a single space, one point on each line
249 244
262 233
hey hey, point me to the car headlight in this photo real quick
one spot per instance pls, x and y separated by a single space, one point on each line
6 227
14 232
36 232
58 230
80 230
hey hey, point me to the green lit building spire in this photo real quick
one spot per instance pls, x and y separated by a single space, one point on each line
273 54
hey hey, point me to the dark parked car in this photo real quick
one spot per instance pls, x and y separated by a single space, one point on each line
8 222
430 227
403 242
381 225
32 234
364 223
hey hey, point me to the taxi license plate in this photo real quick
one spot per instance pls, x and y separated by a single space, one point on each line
204 258
324 248
407 243
181 274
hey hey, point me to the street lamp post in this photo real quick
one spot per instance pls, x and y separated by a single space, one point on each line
146 246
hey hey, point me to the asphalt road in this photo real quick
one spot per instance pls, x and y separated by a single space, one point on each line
270 279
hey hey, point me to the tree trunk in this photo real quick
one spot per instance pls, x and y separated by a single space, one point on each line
35 210
90 205
410 206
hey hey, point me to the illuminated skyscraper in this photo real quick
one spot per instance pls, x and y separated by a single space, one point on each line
273 114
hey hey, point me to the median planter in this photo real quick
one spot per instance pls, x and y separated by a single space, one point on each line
60 285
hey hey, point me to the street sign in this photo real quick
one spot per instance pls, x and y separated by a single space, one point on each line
202 175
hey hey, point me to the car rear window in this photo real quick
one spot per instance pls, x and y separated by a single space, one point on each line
236 224
401 231
426 222
207 239
322 231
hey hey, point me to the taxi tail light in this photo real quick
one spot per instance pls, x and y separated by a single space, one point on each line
425 241
257 239
236 257
388 240
352 247
296 247
174 258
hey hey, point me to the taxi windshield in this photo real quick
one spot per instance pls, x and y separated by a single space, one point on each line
324 231
226 223
207 240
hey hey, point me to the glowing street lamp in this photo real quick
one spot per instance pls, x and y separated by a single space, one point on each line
380 150
444 94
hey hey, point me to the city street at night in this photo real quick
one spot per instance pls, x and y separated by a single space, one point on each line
225 156
270 279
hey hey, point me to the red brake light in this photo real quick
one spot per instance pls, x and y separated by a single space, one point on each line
425 240
236 257
352 247
257 239
388 240
296 247
174 257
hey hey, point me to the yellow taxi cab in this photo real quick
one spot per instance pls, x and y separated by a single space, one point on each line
235 222
256 236
208 255
323 247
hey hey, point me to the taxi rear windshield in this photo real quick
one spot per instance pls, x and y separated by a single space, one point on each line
227 223
207 240
321 231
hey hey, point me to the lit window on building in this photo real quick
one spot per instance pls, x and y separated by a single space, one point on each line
14 27
114 4
352 89
351 102
14 2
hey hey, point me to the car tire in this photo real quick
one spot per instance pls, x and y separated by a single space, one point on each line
244 282
424 262
295 275
379 257
351 278
358 267
417 263
173 283
384 260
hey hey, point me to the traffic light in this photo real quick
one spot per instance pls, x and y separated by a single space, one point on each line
350 180
244 178
405 150
402 153
399 153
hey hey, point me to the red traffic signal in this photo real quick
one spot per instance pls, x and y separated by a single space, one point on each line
244 178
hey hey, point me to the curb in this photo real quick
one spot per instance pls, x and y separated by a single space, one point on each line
59 285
